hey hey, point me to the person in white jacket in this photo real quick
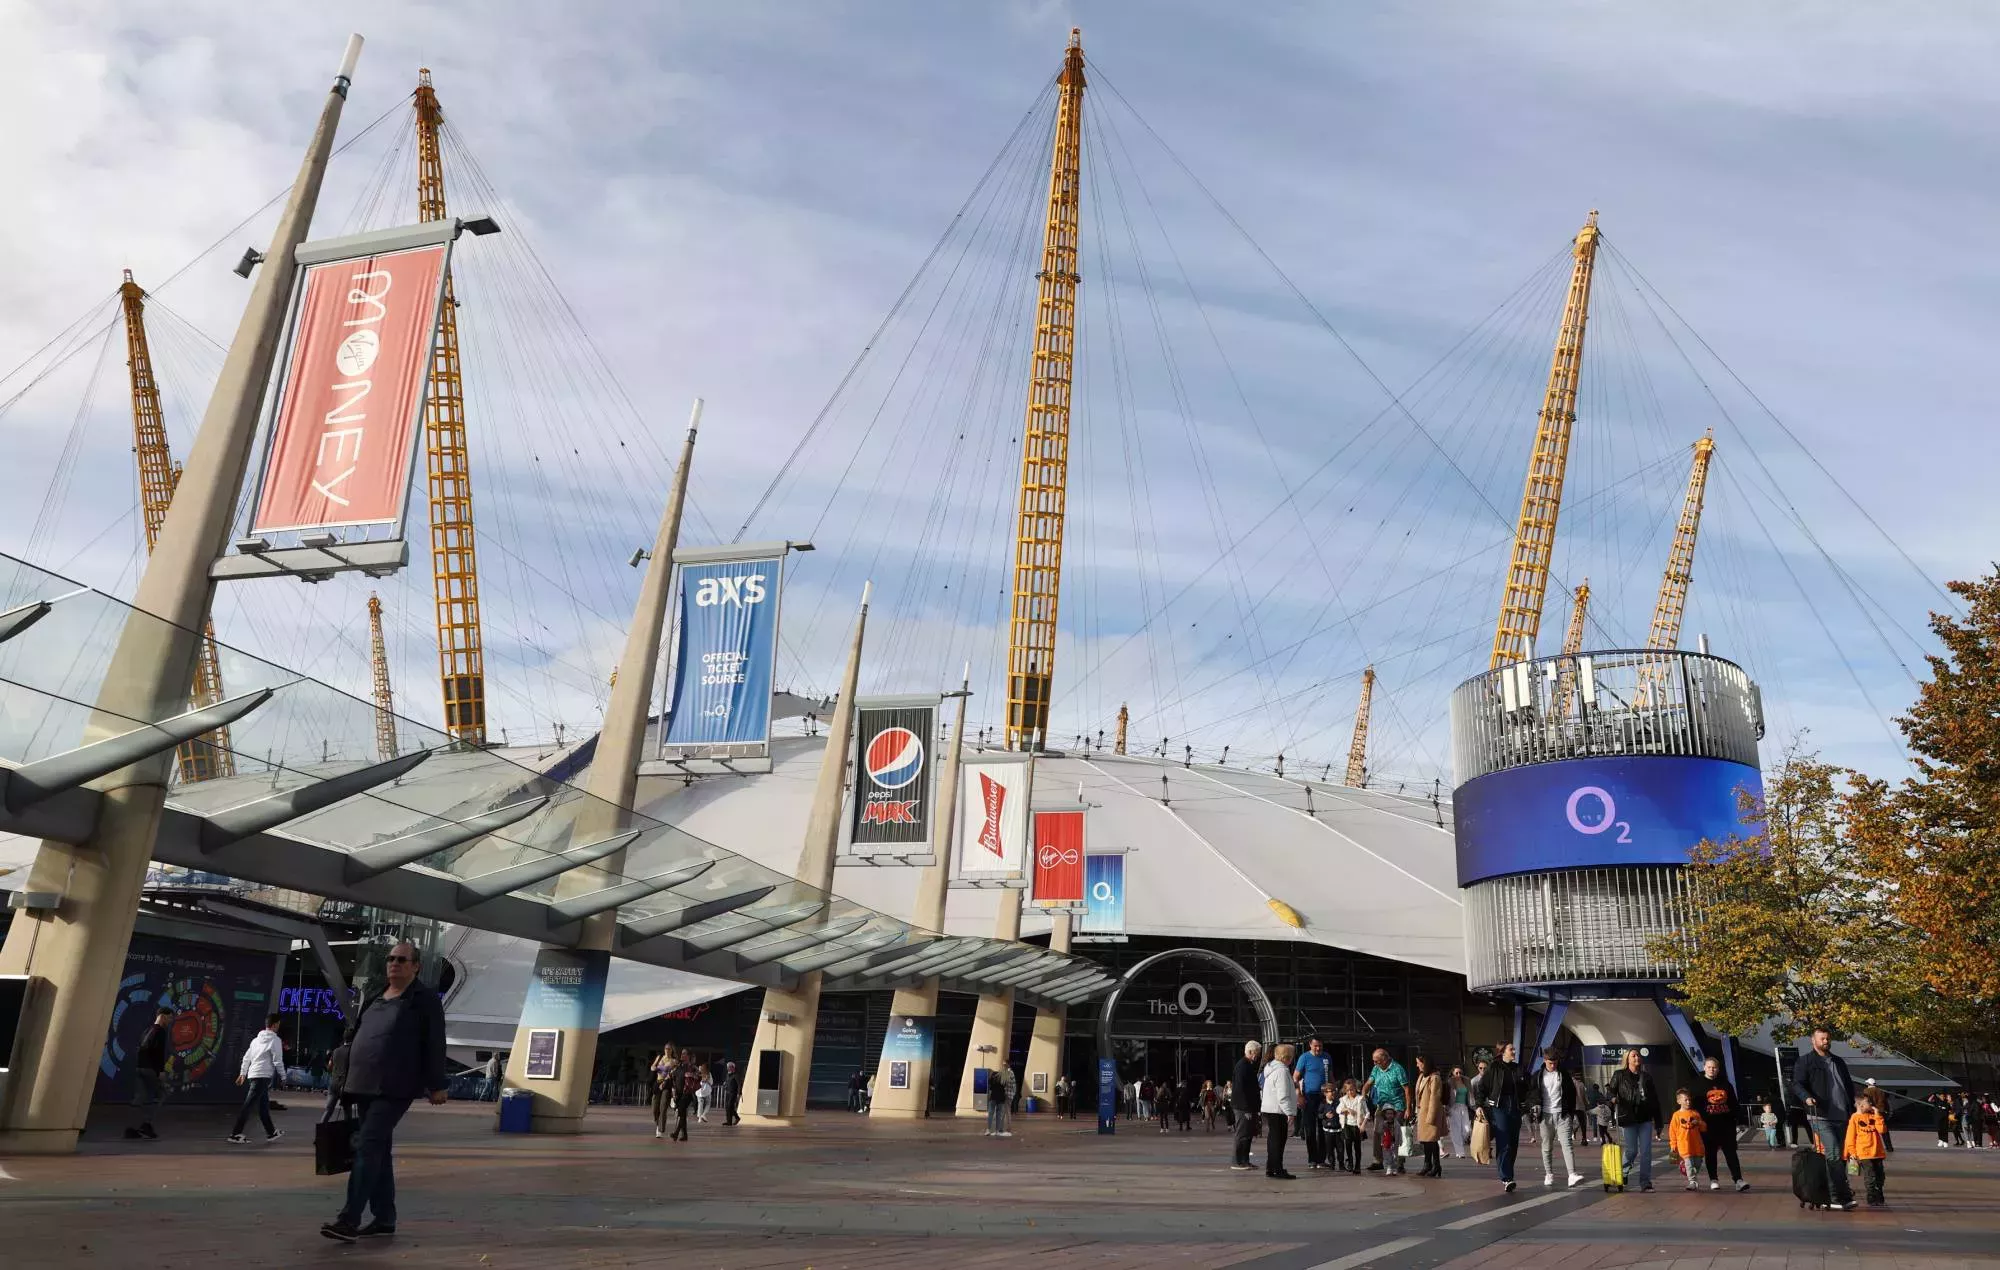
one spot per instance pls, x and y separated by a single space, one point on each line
263 1062
1280 1104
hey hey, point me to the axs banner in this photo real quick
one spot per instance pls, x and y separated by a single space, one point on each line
726 645
892 776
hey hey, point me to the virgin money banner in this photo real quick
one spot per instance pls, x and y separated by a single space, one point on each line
892 776
726 644
1059 859
351 392
993 816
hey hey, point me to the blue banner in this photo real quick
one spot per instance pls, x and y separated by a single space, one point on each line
1595 812
726 646
907 1044
566 989
1104 895
1107 1092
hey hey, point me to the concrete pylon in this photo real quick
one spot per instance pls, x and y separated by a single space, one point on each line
787 1023
993 1020
76 954
1045 1046
933 888
577 1009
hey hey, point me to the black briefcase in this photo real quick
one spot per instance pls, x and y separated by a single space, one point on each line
333 1143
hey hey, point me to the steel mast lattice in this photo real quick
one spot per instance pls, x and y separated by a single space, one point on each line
1541 499
1672 605
206 756
385 699
454 562
1357 750
1038 535
1579 610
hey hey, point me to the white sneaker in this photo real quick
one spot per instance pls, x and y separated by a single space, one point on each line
237 1137
1575 1178
274 1135
1548 1179
1715 1186
1005 1134
657 1133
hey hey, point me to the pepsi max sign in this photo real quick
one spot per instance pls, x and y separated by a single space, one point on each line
892 775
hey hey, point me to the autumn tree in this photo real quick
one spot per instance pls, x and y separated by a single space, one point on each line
1778 924
1933 842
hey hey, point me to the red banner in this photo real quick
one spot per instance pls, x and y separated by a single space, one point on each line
1058 858
348 405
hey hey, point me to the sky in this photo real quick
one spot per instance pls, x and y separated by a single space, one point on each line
724 200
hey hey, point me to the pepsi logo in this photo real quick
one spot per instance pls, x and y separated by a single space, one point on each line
894 758
1052 856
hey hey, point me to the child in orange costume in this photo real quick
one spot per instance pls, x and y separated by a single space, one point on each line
1868 1143
1684 1135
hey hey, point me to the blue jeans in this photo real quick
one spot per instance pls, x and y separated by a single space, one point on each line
257 1096
148 1091
1832 1135
1505 1123
372 1184
996 1114
1638 1152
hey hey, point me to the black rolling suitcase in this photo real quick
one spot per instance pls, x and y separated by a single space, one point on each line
1809 1182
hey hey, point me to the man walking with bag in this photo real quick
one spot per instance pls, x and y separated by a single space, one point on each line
396 1057
1823 1085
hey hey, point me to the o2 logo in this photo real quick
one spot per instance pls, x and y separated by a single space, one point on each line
1607 818
1191 1001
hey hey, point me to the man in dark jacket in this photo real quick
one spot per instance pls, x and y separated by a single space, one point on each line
396 1057
149 1074
1246 1099
1823 1085
1637 1111
1497 1092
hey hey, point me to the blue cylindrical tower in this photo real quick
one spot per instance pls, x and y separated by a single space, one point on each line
1582 781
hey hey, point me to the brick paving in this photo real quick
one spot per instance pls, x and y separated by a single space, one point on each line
845 1193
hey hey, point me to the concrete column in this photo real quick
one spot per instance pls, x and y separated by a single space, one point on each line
1045 1047
789 1019
76 954
559 1104
932 890
994 1019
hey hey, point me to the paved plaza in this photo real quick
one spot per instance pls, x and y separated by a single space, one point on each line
846 1192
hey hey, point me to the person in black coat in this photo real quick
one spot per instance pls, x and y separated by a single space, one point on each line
1246 1099
149 1074
397 1056
1639 1114
1721 1115
1496 1095
1823 1085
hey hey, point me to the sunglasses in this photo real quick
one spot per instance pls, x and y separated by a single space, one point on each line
394 958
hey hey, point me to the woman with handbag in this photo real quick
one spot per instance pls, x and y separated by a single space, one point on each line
664 1083
1458 1116
1431 1117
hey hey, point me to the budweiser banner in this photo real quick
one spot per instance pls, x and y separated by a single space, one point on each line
894 743
351 390
993 794
1059 859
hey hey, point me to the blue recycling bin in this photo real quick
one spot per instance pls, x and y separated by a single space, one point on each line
515 1106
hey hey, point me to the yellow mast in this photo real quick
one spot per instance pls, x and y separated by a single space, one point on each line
1357 751
385 700
1124 719
1541 499
454 563
1572 643
1666 632
206 756
1031 649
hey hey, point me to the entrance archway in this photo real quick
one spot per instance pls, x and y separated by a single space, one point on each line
1267 1018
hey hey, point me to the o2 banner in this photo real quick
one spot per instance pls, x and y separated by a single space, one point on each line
726 645
1104 900
894 738
993 816
1580 813
1059 864
351 392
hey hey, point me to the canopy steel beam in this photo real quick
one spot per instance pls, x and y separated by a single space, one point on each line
486 886
858 953
16 620
645 928
782 948
610 897
30 783
743 932
224 827
409 848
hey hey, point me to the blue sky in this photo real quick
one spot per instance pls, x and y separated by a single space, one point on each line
731 197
